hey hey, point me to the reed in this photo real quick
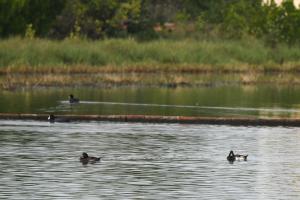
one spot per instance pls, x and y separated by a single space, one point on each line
173 80
128 55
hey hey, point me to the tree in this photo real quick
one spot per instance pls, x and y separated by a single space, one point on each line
16 15
243 17
96 18
289 22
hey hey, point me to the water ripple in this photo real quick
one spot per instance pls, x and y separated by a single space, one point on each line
147 161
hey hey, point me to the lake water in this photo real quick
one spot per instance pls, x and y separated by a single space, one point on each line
223 100
150 161
147 161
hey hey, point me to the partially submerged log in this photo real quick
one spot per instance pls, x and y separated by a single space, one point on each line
162 119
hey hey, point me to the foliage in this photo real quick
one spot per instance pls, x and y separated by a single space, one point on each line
15 15
30 32
98 19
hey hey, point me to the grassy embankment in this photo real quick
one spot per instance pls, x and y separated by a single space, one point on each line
41 62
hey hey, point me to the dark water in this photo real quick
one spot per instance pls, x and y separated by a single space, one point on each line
265 100
147 161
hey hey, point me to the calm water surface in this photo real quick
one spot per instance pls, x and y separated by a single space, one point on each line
223 100
147 161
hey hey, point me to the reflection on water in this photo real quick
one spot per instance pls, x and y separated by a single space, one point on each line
217 108
245 101
147 161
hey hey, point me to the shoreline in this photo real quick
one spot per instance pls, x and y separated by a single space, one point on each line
158 63
185 68
162 119
14 81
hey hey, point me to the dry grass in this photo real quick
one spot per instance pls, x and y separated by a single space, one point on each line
128 55
43 63
153 68
15 81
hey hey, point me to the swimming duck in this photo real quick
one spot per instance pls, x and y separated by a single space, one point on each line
233 157
85 159
72 99
52 119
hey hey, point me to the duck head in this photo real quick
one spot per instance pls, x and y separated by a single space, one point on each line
51 118
85 155
231 157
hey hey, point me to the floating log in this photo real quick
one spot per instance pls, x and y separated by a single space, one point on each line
162 119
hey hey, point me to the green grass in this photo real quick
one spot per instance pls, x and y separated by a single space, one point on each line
183 55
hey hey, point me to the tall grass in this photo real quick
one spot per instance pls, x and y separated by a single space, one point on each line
242 54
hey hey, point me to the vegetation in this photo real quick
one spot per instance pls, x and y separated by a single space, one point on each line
14 81
151 19
115 62
46 37
117 55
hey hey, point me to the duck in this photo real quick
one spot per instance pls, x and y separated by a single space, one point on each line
72 99
236 157
85 159
52 119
